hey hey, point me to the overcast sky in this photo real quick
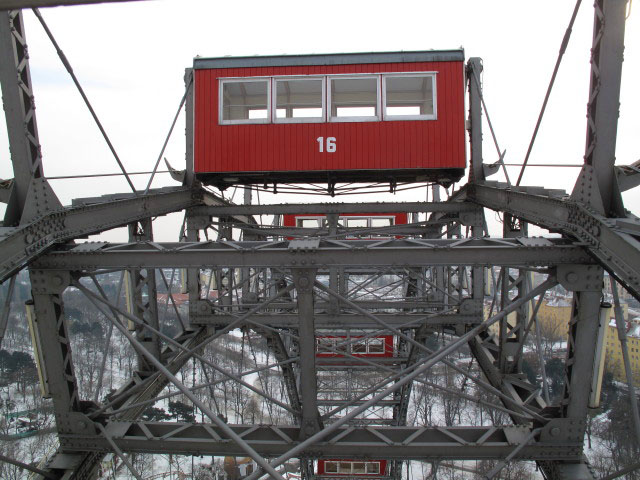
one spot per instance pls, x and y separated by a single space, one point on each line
130 58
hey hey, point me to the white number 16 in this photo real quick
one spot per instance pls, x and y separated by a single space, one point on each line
331 144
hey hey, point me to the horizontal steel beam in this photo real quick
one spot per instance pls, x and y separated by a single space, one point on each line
316 253
614 242
20 246
343 320
338 208
406 443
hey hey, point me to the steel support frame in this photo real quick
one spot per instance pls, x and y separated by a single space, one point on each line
316 253
19 107
143 294
419 443
614 242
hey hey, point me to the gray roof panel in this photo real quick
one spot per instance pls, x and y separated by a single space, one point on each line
329 59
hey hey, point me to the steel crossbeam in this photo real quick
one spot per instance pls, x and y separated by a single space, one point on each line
423 443
23 244
613 242
466 210
318 253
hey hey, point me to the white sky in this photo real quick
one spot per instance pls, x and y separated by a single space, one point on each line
130 58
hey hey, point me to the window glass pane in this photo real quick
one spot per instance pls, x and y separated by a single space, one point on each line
358 467
354 97
345 467
245 100
299 98
373 467
381 222
257 113
309 222
324 344
357 222
359 347
340 347
409 95
376 345
331 467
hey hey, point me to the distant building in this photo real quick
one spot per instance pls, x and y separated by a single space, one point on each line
614 362
238 467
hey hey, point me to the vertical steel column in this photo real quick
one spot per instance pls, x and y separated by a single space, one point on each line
144 309
332 223
188 110
245 273
597 185
476 170
304 279
586 283
193 224
19 109
512 330
51 330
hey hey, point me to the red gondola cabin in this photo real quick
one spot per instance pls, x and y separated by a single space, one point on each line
329 345
352 468
366 221
390 117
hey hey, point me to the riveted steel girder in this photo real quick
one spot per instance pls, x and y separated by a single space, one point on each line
423 443
321 254
614 242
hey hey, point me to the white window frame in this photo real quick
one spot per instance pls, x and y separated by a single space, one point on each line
363 342
376 339
377 464
327 462
345 223
326 343
221 83
376 118
274 96
434 93
381 236
321 219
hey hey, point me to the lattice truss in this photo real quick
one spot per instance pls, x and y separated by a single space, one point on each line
329 343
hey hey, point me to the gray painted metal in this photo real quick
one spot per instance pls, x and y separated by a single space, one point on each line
420 443
338 208
612 245
24 244
19 107
603 108
341 320
51 328
133 392
396 252
476 170
329 59
304 280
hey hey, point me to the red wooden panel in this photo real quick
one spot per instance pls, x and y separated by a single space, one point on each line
360 145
